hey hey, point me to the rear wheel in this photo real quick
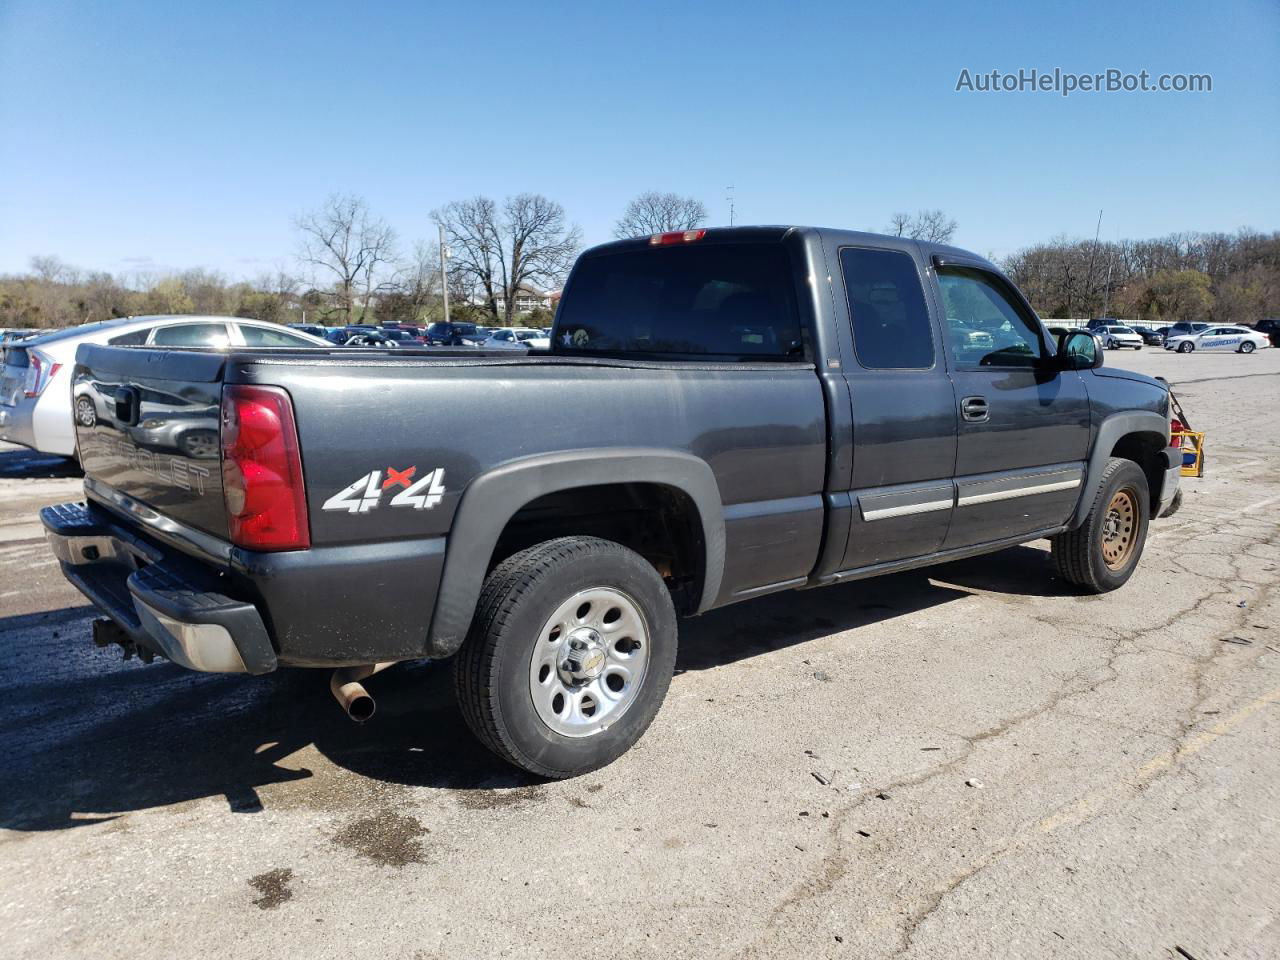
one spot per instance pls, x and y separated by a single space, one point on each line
1247 347
1103 552
569 656
86 413
1186 347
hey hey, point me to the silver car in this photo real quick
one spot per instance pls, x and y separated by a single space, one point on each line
36 406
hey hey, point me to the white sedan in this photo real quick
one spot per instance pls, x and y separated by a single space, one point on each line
1115 336
511 338
36 406
1236 339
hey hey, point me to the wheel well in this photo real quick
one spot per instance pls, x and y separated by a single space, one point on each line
658 522
1144 450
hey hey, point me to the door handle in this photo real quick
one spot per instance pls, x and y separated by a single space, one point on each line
974 409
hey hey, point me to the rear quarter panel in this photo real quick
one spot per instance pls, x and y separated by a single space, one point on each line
760 428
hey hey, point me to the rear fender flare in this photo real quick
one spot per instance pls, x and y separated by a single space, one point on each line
1113 428
492 499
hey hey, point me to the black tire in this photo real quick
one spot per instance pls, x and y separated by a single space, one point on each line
1138 346
1186 347
492 670
1247 347
1078 554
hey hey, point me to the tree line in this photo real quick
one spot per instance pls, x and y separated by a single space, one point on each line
1214 277
351 267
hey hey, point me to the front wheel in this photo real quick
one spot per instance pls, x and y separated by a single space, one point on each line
569 656
1186 347
1247 347
1103 552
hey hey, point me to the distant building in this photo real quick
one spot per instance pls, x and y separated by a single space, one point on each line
528 299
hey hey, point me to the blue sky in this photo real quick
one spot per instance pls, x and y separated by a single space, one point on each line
184 134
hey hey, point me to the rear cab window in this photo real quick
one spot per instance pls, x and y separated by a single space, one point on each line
716 301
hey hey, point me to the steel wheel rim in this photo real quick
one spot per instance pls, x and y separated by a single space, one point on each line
589 662
1120 528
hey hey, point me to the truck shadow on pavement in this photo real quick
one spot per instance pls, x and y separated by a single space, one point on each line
22 464
86 737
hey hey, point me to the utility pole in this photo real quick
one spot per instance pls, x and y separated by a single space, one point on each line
444 273
730 199
1088 284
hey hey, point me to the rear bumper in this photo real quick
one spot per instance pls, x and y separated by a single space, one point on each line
16 424
42 423
162 602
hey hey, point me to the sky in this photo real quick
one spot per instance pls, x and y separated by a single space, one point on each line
154 136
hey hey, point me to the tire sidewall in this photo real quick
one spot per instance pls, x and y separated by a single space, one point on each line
1129 474
621 570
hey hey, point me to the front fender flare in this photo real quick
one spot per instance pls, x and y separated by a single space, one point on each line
1109 433
493 498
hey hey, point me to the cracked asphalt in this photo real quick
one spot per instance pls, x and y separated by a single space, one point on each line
969 760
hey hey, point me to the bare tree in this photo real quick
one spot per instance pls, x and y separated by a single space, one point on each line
343 240
900 225
931 226
529 242
655 212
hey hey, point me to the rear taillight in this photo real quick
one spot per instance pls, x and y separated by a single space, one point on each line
262 470
676 236
41 369
1175 427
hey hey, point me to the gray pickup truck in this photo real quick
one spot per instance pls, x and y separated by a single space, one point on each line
721 414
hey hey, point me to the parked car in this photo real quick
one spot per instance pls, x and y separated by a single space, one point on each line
36 404
1097 323
414 332
400 336
1236 339
511 338
1182 330
733 431
1270 327
1150 337
315 329
1116 337
453 334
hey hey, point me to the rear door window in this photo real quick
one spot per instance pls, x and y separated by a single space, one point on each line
725 301
134 339
192 335
891 328
263 337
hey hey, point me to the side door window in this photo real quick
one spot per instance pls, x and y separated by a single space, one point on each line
192 335
986 325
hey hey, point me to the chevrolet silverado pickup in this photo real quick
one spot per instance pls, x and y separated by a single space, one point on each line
721 414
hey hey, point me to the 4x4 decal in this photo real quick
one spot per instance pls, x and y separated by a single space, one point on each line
366 493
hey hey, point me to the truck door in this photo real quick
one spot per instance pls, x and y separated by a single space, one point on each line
1023 425
904 410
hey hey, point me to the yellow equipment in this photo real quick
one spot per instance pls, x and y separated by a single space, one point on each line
1192 447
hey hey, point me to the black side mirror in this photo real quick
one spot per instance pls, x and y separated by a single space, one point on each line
1079 350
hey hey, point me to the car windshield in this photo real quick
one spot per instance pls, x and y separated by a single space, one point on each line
732 300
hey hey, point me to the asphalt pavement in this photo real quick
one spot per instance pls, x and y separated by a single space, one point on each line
966 761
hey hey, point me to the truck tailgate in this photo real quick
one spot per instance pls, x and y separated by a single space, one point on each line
147 427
